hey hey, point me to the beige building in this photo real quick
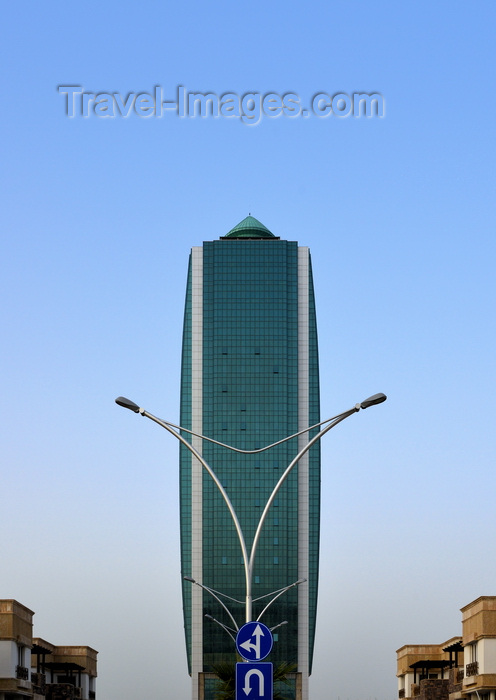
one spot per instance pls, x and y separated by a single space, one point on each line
462 667
31 667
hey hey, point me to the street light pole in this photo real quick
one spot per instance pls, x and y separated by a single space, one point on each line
249 559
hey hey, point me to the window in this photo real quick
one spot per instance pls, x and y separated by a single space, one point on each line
472 668
21 671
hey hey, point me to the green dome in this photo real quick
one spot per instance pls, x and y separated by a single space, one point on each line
249 228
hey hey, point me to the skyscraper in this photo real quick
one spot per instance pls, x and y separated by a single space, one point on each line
249 378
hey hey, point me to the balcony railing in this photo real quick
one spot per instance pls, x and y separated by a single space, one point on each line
472 669
415 690
22 673
460 675
39 683
401 693
62 691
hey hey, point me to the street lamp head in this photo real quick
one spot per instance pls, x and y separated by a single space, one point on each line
373 400
284 622
188 578
127 403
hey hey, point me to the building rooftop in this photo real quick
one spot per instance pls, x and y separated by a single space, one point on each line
250 228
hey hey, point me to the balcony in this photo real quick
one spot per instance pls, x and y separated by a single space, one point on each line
401 693
472 669
22 673
39 683
63 691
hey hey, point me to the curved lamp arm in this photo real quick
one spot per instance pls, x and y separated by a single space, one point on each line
207 467
214 595
283 590
248 562
224 627
127 403
284 622
371 401
280 590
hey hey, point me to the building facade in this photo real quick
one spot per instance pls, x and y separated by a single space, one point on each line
462 667
249 378
33 668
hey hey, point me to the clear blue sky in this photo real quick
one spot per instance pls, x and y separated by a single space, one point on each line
98 217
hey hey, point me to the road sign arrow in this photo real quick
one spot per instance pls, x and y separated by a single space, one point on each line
249 646
260 676
258 632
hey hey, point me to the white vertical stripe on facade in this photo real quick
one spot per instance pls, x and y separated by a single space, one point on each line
196 467
303 479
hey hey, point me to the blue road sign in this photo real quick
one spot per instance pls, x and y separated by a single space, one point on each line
254 641
254 681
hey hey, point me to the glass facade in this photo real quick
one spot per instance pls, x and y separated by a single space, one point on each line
242 385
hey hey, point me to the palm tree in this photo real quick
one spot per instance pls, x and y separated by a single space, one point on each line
225 671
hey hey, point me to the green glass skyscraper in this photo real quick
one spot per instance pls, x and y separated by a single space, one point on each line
249 378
